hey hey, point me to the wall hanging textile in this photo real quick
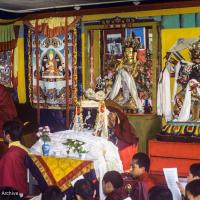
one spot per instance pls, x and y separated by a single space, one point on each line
53 63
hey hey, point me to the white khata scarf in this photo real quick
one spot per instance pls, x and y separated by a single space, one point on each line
186 108
163 94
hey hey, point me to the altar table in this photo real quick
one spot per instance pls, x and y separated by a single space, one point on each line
102 152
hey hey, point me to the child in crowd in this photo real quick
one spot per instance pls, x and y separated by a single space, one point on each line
140 168
193 190
113 186
12 167
160 193
84 190
194 173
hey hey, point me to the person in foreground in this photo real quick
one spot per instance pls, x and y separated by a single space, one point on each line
194 173
113 186
160 193
84 190
192 190
140 168
13 172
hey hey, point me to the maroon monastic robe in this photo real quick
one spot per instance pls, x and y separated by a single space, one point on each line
117 194
7 107
123 130
126 134
142 187
13 172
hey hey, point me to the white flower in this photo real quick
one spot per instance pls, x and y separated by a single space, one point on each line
40 129
39 134
46 128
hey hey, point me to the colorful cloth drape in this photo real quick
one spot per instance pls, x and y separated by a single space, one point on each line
8 42
8 37
53 26
59 171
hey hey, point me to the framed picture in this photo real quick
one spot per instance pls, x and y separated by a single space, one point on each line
140 34
111 47
89 118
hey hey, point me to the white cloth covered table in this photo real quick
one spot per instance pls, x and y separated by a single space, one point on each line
104 153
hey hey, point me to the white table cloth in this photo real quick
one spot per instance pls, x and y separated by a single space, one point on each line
104 153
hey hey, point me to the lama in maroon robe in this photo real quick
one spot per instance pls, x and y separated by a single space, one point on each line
127 141
13 172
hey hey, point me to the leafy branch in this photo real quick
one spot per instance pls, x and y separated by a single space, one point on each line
75 145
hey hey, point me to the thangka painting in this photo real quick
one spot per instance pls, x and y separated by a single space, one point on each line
52 82
5 68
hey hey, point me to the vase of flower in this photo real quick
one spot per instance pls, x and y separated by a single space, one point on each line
44 135
45 149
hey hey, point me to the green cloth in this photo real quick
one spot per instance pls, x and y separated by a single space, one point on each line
7 33
147 126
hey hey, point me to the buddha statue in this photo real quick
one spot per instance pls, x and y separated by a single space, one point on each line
126 71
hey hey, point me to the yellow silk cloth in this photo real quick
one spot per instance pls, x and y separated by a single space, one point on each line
61 171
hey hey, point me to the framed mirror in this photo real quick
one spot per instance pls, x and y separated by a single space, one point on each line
121 58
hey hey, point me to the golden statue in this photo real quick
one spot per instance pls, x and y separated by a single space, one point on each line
126 71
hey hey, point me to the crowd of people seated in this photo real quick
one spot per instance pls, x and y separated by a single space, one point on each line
13 170
13 179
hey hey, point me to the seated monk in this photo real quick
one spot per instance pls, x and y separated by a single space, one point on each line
12 167
7 107
140 168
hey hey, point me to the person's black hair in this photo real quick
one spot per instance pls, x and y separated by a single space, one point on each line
84 188
114 177
142 160
159 192
193 187
14 129
52 192
8 193
195 169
